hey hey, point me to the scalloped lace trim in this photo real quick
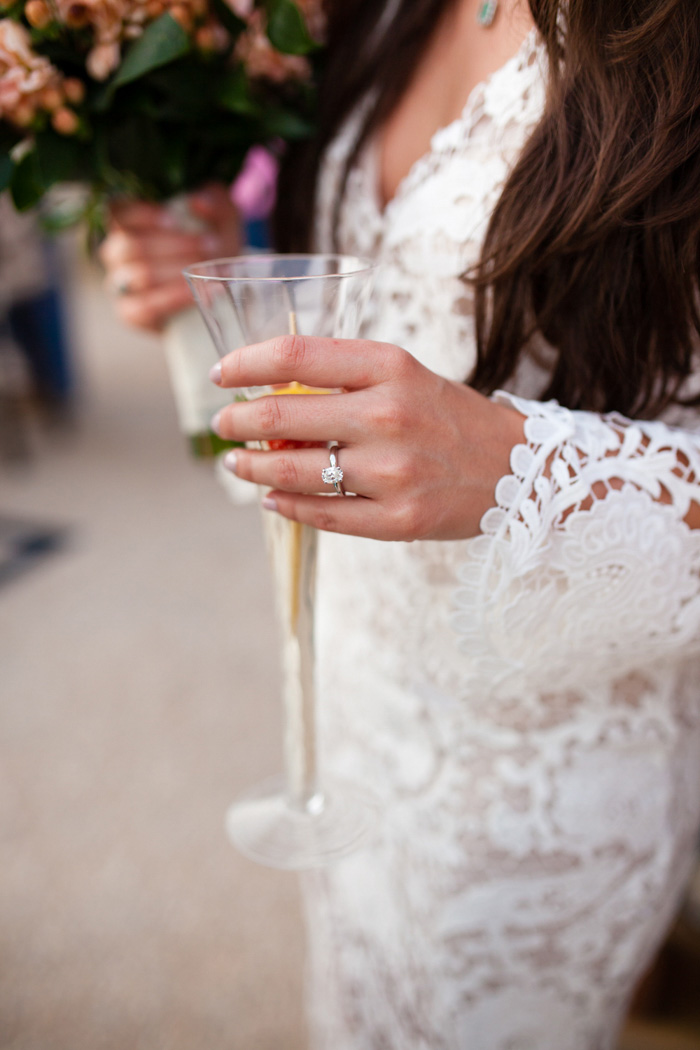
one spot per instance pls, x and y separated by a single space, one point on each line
587 534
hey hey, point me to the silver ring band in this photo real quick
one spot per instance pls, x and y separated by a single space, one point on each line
333 475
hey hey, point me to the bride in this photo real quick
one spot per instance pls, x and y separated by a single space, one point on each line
519 686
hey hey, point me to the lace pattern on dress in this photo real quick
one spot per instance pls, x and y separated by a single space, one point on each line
588 533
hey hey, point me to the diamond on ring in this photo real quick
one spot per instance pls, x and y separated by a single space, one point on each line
332 474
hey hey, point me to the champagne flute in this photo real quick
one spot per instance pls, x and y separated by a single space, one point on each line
299 820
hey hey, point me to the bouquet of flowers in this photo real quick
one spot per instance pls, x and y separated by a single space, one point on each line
148 98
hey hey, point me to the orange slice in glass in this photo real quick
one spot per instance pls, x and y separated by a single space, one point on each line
279 444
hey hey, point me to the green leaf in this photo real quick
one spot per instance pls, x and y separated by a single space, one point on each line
13 10
135 148
174 160
286 28
57 158
184 91
26 186
6 169
234 93
162 42
287 125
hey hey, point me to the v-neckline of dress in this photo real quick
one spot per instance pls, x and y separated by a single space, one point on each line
415 171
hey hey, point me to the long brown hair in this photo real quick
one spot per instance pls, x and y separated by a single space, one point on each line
595 241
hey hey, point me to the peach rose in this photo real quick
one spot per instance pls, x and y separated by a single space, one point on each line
261 59
102 60
16 46
64 121
24 76
105 17
10 91
38 13
314 17
242 8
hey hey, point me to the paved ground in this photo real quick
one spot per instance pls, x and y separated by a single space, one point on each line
138 695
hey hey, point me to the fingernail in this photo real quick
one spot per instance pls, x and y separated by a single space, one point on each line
269 503
230 461
215 423
211 243
215 374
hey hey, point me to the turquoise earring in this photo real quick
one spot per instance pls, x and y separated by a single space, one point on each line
487 12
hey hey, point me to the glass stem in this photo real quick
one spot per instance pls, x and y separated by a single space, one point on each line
298 667
294 554
292 549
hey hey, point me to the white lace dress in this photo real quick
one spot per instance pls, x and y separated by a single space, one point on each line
524 704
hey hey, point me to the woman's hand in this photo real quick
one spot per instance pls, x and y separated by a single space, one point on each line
146 250
422 453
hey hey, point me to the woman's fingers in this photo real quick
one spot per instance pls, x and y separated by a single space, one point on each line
349 363
353 514
147 248
213 204
120 247
313 417
141 215
151 309
299 470
135 277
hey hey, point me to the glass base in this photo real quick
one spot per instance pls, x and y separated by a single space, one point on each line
266 828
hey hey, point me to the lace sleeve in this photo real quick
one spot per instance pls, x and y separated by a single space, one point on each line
586 561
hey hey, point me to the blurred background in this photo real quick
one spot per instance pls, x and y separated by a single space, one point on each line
139 693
